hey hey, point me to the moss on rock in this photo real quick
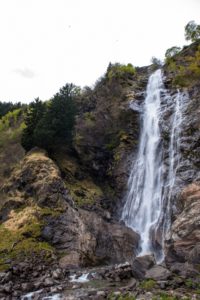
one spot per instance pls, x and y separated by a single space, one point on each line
21 235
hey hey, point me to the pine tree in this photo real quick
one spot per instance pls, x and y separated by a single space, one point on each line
56 126
51 125
34 114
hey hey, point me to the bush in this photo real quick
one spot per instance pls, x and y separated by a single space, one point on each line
119 71
6 107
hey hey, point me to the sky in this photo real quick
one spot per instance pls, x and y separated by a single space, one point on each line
46 43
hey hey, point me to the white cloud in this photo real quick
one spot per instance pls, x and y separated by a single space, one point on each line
74 40
26 73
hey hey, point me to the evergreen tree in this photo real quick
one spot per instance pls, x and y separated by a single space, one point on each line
5 107
34 114
51 125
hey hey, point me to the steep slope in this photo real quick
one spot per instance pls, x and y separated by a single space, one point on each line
40 221
183 72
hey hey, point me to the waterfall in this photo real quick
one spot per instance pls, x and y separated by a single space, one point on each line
147 205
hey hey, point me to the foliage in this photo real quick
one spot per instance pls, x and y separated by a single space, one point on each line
148 284
34 114
6 107
20 235
192 31
164 296
187 73
119 71
172 51
126 296
10 119
11 126
52 124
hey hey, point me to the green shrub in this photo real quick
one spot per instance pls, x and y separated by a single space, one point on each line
119 71
187 74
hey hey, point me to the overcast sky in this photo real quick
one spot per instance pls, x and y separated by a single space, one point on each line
47 43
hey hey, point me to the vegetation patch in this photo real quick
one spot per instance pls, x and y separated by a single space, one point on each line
148 284
11 126
120 71
126 296
20 235
84 192
186 73
165 296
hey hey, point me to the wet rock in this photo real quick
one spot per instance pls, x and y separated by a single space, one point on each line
38 285
57 274
26 287
132 284
56 289
48 282
158 273
118 273
8 287
141 264
194 255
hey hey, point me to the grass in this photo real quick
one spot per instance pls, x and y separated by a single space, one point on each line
164 296
148 284
84 192
20 235
127 296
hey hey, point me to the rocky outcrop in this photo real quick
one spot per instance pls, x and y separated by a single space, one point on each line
185 231
40 214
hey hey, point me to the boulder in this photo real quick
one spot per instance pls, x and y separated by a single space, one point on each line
141 264
90 240
194 255
185 270
158 273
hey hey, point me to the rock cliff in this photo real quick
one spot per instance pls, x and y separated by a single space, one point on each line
39 218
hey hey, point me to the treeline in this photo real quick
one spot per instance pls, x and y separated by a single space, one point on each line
50 124
6 107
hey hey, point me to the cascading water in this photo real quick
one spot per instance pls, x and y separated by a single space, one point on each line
148 192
